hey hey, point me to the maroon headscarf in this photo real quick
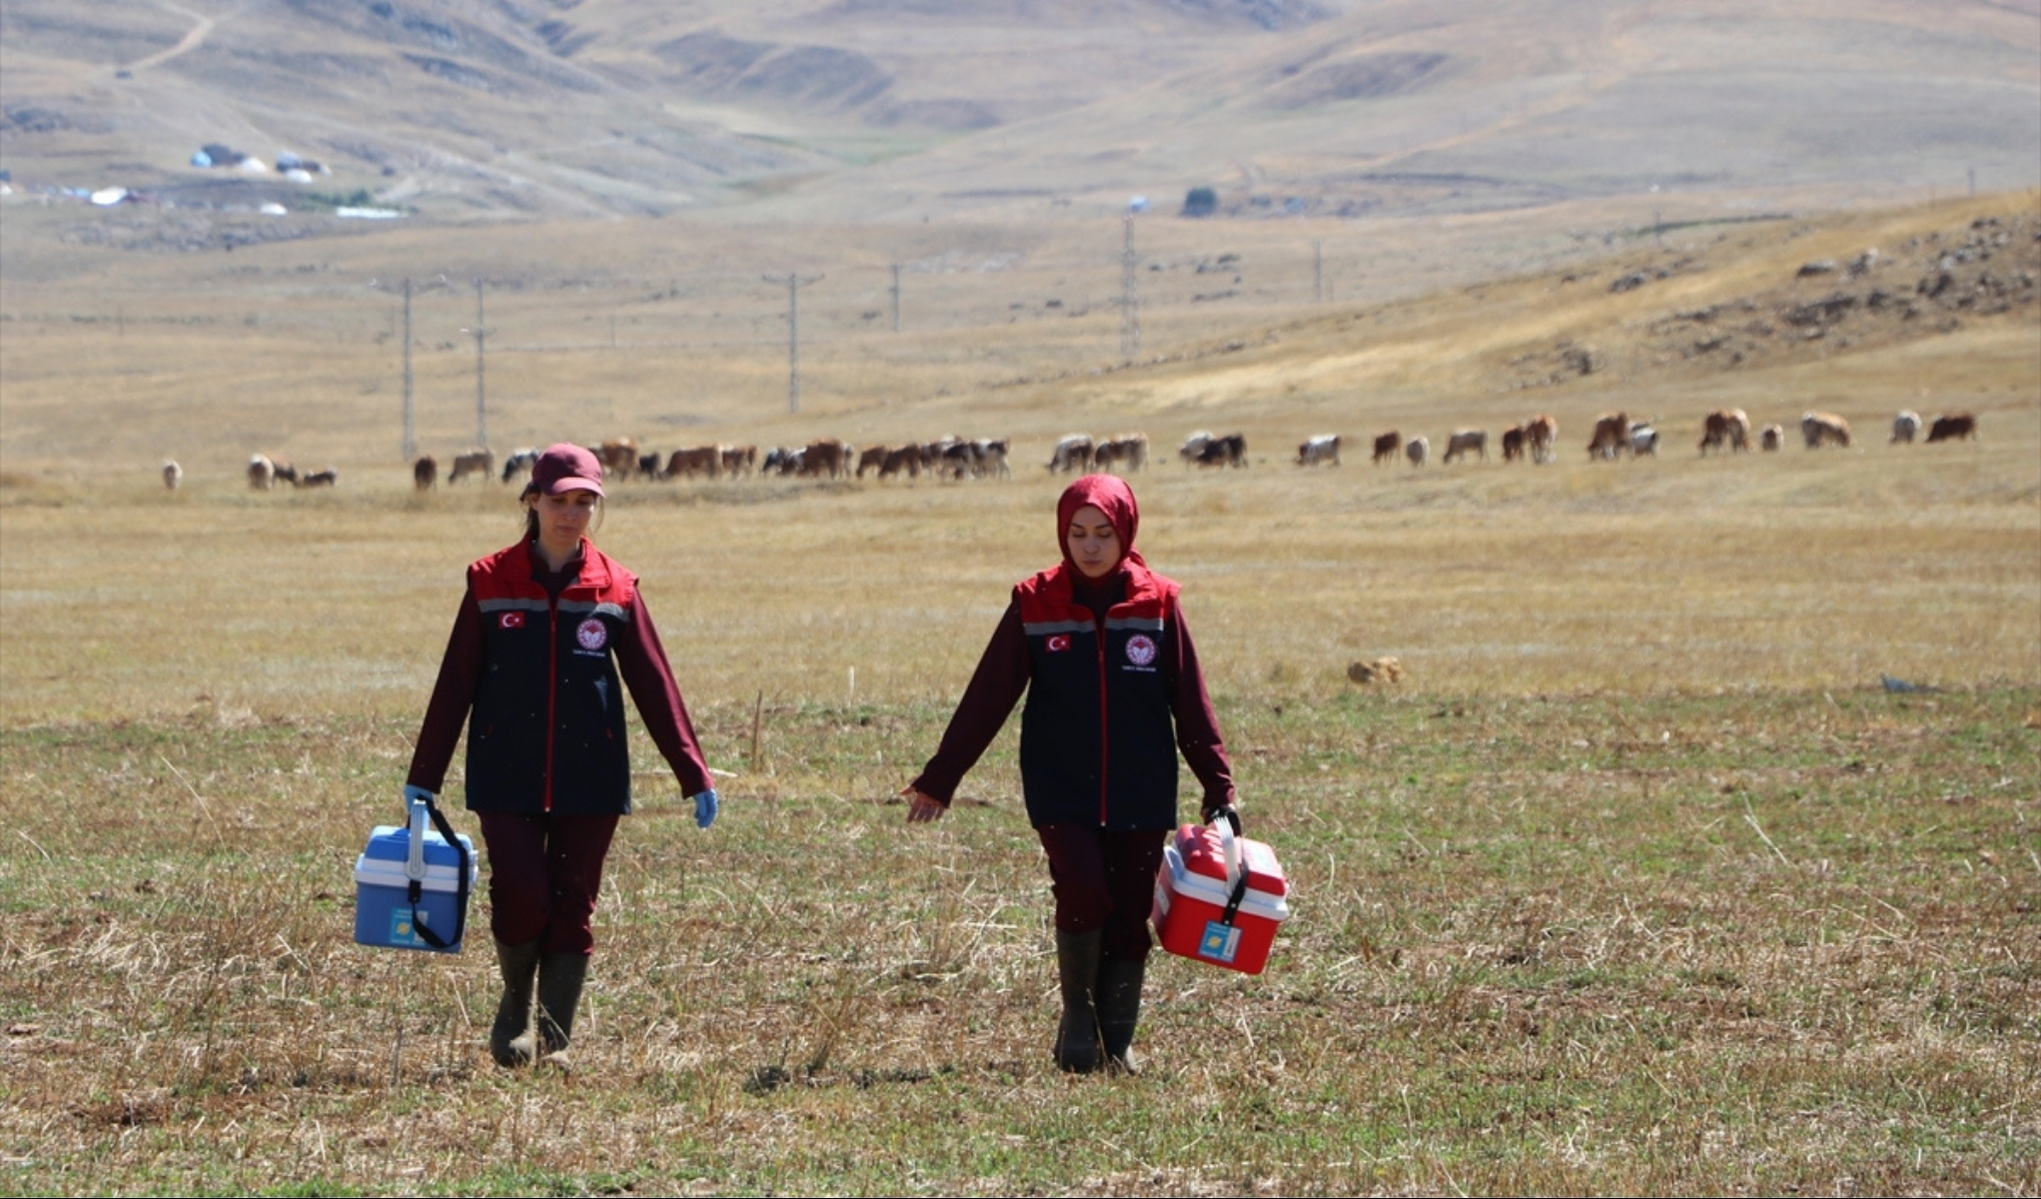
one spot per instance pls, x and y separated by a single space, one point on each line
1110 495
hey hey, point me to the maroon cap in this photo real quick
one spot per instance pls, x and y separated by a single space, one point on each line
567 467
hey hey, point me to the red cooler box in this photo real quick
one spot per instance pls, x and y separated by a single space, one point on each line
1202 910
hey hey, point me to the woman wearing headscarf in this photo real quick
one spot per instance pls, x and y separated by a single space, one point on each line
1099 645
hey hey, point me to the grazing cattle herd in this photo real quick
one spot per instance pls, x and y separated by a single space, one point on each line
954 459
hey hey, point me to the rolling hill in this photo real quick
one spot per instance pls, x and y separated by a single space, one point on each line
1017 109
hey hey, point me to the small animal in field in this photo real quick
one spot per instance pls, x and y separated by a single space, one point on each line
1465 440
1381 670
1417 449
322 478
1819 428
1772 438
1611 436
261 472
1905 426
1643 439
474 462
520 460
1541 437
619 456
1725 427
1386 446
1073 454
173 474
1128 452
1315 450
1955 426
425 472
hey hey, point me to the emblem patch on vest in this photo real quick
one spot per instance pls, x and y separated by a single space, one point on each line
1059 643
592 634
510 620
1141 649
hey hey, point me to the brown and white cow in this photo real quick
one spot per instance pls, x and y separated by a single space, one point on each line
619 457
173 474
992 452
872 457
1820 428
1465 440
1953 426
1611 436
261 472
1725 426
690 462
905 458
1386 446
474 462
1128 450
1541 438
1315 450
1073 453
1229 450
827 458
739 459
1772 438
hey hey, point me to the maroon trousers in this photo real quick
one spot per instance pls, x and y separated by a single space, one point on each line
1106 881
544 874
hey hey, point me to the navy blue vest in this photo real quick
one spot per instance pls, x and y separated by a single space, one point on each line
1098 738
547 730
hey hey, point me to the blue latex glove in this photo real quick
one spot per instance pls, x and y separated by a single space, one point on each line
705 808
412 793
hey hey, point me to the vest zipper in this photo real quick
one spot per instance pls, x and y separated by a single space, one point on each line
1104 720
552 687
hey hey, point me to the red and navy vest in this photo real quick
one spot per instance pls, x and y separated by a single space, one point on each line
1098 739
547 730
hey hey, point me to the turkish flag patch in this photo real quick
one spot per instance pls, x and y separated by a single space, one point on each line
510 620
1059 643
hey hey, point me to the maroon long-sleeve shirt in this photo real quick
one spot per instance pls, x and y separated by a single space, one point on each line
641 661
1002 675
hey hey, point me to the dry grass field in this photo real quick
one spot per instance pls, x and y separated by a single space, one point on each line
1640 881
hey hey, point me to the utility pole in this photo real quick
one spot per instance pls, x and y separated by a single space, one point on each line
1130 303
410 407
481 391
794 283
896 297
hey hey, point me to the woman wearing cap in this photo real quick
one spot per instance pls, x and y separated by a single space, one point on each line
1114 691
546 631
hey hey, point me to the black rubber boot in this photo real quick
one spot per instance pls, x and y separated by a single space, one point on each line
1119 1010
1077 970
560 979
511 1041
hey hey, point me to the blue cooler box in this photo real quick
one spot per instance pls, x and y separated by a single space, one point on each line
382 892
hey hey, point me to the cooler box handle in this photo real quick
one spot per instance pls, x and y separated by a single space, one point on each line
1236 867
423 810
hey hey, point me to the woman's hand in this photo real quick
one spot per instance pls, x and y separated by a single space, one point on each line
922 808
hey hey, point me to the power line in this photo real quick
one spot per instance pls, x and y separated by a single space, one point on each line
794 283
481 390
